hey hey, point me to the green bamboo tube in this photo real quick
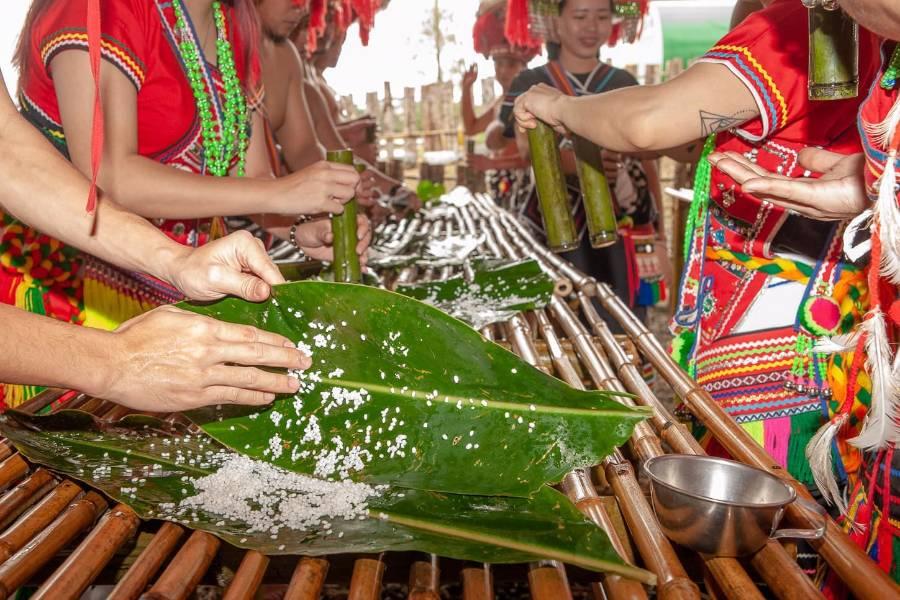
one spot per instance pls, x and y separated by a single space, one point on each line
833 55
346 261
598 205
551 189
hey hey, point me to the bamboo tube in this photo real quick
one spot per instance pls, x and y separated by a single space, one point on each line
308 579
12 469
6 449
148 563
81 568
37 518
425 580
551 189
43 400
548 581
20 567
598 205
186 570
248 578
365 584
849 562
502 248
18 499
833 55
343 226
477 583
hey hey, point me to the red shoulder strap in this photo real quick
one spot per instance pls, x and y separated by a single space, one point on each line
94 40
560 79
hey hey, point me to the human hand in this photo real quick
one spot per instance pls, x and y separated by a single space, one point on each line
543 103
367 189
235 265
840 194
170 360
356 133
317 240
470 76
321 188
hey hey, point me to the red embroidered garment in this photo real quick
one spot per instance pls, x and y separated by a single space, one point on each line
42 275
749 262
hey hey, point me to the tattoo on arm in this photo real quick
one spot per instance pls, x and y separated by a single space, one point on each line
714 123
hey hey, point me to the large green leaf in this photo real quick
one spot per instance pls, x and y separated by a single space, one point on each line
494 294
155 469
401 393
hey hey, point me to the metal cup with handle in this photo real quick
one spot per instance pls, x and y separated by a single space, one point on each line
721 507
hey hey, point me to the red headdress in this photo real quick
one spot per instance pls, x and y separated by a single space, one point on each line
528 19
491 39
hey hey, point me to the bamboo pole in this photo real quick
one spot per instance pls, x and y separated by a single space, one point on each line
148 562
343 226
365 584
579 490
37 519
248 578
24 495
548 581
477 583
849 562
186 570
308 579
12 469
425 580
90 557
77 517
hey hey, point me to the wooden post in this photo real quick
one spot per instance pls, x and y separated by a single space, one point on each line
409 115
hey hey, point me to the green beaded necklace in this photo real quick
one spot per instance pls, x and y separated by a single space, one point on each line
229 138
889 79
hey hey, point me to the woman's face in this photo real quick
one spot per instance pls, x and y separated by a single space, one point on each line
584 26
878 16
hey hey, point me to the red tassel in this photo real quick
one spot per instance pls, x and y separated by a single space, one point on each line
318 10
365 11
518 23
94 33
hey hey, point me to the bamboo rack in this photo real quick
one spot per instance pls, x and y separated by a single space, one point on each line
60 537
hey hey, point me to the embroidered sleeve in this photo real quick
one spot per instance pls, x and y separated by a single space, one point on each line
769 56
123 41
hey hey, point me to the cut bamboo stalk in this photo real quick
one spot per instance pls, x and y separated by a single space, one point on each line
308 579
344 228
365 584
90 557
160 548
722 571
425 580
477 583
37 519
20 567
186 570
551 188
12 469
248 578
548 582
849 562
20 498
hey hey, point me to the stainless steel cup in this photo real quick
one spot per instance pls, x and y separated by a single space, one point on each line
720 507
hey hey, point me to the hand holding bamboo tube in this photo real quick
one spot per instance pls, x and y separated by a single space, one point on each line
346 261
598 204
833 54
551 188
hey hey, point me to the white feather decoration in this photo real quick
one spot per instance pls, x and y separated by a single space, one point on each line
880 426
820 458
888 216
836 344
861 221
882 132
